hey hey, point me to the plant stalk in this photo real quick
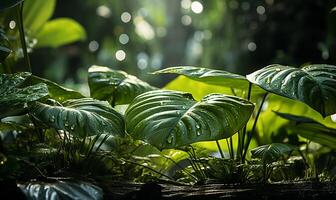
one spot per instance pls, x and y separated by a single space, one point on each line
220 149
22 36
249 137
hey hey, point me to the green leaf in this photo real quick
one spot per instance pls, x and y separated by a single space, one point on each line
61 190
271 152
314 85
36 13
59 32
316 132
4 46
171 119
81 117
9 126
57 92
115 86
209 76
4 4
311 130
13 96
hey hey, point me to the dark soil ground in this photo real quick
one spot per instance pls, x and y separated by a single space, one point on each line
275 191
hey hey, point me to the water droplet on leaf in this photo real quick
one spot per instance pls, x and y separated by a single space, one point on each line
278 69
52 119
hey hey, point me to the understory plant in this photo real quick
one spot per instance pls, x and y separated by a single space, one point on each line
205 126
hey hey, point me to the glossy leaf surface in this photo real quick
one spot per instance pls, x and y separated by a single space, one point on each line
61 190
170 119
81 117
314 85
114 85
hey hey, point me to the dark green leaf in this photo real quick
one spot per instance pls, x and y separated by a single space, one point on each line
296 118
59 32
115 86
271 152
56 91
81 117
4 4
317 133
4 46
312 130
61 190
314 85
170 119
13 96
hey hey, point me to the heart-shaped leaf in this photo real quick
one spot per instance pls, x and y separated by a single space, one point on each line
56 91
314 85
13 95
170 119
4 4
271 152
81 117
115 86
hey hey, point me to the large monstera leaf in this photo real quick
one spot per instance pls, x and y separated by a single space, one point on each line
314 85
14 94
115 86
209 76
171 119
81 117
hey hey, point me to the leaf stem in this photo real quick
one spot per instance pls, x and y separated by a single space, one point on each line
242 153
249 137
19 10
220 149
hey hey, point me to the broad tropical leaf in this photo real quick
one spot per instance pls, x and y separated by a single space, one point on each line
115 86
170 119
312 130
314 85
56 91
81 117
53 34
36 13
209 76
4 4
61 190
13 95
271 152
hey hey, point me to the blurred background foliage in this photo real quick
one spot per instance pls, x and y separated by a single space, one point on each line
143 36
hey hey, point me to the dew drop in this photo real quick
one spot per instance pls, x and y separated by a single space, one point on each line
184 107
293 76
52 119
72 127
66 124
197 126
278 69
178 112
198 133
